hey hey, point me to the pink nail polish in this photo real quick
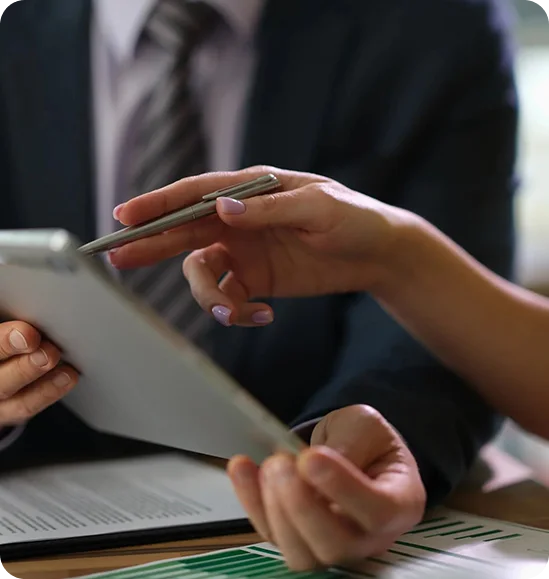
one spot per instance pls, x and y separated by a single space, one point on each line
263 317
232 206
222 314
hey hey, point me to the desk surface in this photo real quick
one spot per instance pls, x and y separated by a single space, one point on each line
500 488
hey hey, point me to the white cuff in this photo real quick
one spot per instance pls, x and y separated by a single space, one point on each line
11 436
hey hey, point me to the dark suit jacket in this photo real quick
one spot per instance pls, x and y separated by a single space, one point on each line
413 102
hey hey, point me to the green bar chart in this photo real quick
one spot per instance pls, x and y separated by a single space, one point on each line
249 563
437 547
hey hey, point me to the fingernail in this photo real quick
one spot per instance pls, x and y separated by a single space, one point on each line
39 358
232 206
280 471
222 315
61 380
315 469
244 475
17 340
117 210
110 255
264 317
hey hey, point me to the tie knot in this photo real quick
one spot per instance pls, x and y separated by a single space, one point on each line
180 25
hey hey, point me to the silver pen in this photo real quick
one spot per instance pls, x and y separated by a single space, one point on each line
204 208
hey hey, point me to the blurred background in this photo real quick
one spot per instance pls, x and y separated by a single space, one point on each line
532 34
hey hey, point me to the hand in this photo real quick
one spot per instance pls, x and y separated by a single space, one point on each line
315 237
347 498
30 377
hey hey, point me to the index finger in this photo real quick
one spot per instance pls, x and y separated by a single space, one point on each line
181 194
191 190
244 475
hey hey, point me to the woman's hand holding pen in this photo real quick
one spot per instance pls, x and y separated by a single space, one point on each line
279 245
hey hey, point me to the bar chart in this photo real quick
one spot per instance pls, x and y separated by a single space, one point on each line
447 544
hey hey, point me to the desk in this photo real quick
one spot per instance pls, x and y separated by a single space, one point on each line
499 487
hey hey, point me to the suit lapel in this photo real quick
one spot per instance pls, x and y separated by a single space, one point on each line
59 140
300 46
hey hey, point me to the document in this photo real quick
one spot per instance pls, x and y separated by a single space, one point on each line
454 544
448 544
113 497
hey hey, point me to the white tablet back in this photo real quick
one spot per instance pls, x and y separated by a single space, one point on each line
140 378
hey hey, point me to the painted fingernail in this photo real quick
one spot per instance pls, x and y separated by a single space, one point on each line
117 210
17 341
222 315
39 358
61 380
232 206
263 317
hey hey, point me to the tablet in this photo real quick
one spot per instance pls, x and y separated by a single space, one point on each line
139 377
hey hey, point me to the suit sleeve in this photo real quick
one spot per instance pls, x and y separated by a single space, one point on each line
461 179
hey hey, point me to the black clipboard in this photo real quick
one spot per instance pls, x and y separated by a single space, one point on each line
50 548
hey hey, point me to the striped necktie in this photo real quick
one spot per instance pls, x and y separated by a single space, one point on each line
169 145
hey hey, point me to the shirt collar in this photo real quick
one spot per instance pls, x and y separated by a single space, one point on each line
121 21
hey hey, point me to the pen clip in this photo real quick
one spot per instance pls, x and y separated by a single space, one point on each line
264 180
226 192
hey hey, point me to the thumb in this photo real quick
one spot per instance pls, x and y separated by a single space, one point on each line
358 432
305 208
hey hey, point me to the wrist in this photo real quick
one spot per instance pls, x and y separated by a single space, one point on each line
402 256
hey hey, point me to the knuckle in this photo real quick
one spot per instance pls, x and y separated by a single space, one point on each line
364 416
358 416
263 169
320 195
319 191
367 412
269 201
